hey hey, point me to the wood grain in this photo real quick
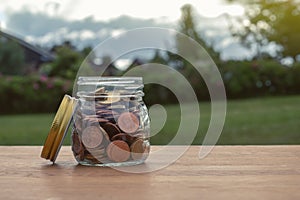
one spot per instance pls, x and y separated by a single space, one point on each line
229 172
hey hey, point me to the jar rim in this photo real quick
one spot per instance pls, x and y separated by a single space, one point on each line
124 86
92 95
93 80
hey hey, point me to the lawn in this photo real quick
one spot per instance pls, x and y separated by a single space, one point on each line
272 120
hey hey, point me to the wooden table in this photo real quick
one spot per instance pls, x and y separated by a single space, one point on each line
229 172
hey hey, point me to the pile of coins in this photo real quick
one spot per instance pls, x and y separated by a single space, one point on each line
109 128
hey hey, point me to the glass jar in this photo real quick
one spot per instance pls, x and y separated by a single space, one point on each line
111 123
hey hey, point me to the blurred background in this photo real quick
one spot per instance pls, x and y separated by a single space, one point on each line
255 45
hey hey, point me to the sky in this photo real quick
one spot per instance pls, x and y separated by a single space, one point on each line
80 9
87 22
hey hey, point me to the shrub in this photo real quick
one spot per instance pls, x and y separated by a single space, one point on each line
32 94
259 78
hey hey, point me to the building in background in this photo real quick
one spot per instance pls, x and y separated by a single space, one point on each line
33 56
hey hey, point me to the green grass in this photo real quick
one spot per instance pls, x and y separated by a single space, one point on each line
272 120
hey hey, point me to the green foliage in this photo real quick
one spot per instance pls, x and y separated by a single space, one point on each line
67 62
187 26
32 94
11 57
259 78
271 21
185 50
242 79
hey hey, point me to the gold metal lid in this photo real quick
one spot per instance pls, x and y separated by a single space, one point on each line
59 128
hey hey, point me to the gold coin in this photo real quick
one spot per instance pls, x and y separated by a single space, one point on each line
100 90
111 97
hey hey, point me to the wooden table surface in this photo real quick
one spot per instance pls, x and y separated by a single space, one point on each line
228 172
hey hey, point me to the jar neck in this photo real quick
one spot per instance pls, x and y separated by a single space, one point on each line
110 86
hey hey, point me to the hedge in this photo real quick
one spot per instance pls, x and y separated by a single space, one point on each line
32 94
38 94
260 78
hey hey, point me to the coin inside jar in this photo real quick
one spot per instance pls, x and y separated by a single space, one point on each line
128 122
92 136
123 136
111 129
76 145
118 151
113 125
110 98
139 150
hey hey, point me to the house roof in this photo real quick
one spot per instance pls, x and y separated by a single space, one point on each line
44 55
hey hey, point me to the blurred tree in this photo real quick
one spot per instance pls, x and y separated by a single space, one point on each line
268 21
158 58
86 51
188 26
201 57
12 58
67 62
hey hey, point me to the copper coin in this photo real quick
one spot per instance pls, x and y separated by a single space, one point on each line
89 120
76 144
92 159
111 129
81 155
139 150
128 122
92 136
102 120
118 151
106 112
123 136
90 116
102 111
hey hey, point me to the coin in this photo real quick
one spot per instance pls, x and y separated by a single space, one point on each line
109 114
100 90
102 120
128 122
99 106
89 122
98 153
92 136
118 151
123 136
111 129
81 155
76 145
112 97
139 150
92 159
